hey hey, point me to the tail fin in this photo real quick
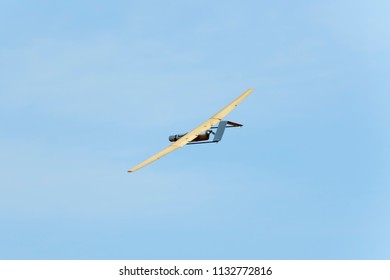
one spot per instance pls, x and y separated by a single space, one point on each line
220 131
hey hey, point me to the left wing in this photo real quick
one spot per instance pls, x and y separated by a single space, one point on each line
195 132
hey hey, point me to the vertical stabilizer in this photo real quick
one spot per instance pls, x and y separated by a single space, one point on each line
220 131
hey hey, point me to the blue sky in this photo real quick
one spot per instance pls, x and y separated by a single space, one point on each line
91 88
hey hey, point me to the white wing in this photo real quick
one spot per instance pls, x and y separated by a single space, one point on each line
195 132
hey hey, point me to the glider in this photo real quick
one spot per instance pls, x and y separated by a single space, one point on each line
201 133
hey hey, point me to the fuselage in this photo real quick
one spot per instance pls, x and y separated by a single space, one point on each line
201 137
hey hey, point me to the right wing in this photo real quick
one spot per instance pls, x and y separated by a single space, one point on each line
195 132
